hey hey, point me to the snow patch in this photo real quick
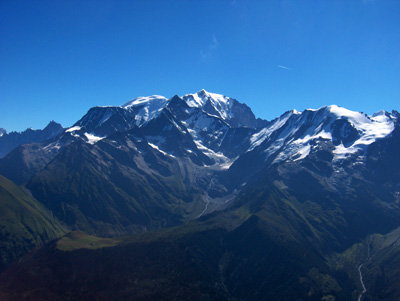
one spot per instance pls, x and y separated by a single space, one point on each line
265 133
302 153
92 139
147 107
156 101
51 146
161 151
73 129
226 165
378 126
219 158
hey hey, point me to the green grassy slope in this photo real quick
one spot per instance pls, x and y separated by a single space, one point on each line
379 258
24 223
225 256
161 267
80 240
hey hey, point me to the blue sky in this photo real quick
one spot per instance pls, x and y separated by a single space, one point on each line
59 58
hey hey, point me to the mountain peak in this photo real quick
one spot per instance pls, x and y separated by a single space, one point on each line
350 132
212 103
53 124
379 113
236 114
146 100
146 107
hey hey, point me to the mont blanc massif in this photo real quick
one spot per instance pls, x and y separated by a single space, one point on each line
193 198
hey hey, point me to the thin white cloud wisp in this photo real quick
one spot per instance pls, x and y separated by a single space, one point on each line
211 48
284 67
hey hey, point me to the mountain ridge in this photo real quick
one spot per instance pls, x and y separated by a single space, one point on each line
263 211
9 141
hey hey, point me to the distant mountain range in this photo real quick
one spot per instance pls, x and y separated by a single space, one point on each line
217 204
10 141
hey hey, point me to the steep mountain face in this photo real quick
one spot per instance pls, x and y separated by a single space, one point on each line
326 162
341 136
266 207
165 151
228 109
145 108
26 160
10 141
122 184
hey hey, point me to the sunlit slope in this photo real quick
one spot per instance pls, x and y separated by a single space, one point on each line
24 223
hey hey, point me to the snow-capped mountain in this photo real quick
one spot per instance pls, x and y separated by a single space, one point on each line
216 133
236 114
294 134
334 139
299 190
205 117
102 121
215 130
228 109
173 126
146 108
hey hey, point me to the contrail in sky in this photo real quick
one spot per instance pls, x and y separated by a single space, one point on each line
284 67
